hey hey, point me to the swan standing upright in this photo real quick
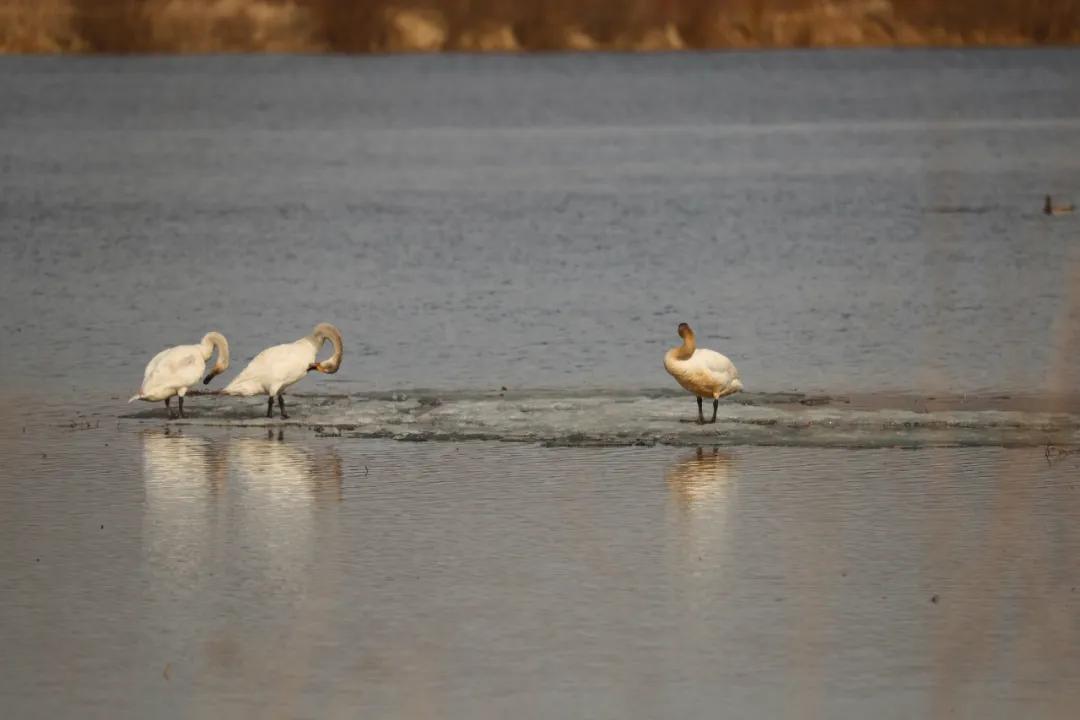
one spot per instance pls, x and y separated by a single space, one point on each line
173 371
280 366
706 373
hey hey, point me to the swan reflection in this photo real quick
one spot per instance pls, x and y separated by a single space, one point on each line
704 478
284 496
175 465
702 486
272 470
181 477
229 520
204 494
197 489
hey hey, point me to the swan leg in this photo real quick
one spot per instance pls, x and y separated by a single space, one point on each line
182 406
168 407
281 406
270 407
715 405
700 414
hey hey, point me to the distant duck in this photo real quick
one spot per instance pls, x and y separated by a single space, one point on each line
1049 208
705 373
280 366
172 371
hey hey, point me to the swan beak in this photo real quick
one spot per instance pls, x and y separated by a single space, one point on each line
314 366
208 378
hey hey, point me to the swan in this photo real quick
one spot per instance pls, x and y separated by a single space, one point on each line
1049 208
173 371
706 373
278 367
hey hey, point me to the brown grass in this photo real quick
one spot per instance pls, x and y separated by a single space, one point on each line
356 26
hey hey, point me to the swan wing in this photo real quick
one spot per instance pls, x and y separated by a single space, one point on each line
716 363
176 367
272 369
154 361
721 372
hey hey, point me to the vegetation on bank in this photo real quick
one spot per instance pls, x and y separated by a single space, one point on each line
193 26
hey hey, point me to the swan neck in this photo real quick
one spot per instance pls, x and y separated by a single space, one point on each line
216 341
686 350
328 333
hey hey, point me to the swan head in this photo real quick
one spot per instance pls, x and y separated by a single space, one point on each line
685 331
324 332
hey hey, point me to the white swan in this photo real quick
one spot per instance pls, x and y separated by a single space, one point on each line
706 373
278 367
173 371
1049 208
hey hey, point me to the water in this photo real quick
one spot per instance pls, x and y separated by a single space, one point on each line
244 573
833 222
508 244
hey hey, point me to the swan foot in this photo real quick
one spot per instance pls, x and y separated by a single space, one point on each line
700 414
168 408
270 407
182 407
281 406
715 405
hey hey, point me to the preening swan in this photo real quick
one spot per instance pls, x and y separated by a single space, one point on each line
706 373
173 371
278 367
1049 208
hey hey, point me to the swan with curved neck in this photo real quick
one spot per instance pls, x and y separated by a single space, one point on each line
172 371
280 366
1049 208
705 373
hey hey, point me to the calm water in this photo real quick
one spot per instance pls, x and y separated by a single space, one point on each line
861 227
227 573
831 221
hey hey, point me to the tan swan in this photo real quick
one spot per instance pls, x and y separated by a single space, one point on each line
705 373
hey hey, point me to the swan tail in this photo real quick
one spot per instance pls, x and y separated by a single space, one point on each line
135 397
736 385
242 389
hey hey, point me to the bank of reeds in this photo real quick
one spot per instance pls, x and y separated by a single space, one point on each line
193 26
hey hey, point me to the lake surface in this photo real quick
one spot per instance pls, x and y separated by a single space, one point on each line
508 244
181 573
851 221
